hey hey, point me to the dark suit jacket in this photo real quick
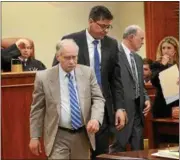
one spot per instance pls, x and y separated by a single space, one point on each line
129 92
160 108
110 71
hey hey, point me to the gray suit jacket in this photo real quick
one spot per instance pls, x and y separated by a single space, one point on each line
129 91
44 116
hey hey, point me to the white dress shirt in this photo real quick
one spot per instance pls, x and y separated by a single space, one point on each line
127 52
65 108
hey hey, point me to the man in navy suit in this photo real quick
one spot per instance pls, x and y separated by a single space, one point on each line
100 20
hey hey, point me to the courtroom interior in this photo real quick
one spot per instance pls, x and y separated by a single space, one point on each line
43 24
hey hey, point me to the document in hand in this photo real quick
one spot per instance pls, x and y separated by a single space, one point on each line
168 79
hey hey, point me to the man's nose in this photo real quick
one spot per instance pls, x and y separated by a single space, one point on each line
71 60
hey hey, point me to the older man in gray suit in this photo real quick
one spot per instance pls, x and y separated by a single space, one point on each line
67 107
136 100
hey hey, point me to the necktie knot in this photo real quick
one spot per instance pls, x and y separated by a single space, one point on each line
95 42
132 54
69 75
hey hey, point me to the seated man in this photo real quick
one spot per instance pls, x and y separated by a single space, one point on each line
21 50
147 71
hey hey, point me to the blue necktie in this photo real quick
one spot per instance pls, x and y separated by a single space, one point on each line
135 76
97 62
75 110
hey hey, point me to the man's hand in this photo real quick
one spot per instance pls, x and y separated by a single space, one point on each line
21 43
120 119
35 147
147 107
93 126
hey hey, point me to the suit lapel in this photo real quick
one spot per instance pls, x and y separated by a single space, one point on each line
84 48
125 60
138 66
81 86
103 54
54 84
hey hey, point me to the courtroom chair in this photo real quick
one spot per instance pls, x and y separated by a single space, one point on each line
7 42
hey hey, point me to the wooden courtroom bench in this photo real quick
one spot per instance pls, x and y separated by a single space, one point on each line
156 130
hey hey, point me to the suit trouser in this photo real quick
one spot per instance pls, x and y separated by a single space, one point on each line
102 138
135 137
69 145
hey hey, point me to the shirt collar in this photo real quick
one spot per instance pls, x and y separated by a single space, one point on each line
21 59
127 51
61 71
90 39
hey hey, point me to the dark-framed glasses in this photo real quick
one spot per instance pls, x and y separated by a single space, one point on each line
104 27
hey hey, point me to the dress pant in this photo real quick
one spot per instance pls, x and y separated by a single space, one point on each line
69 145
134 135
102 138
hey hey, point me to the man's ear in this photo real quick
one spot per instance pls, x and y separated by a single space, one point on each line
130 37
90 21
58 57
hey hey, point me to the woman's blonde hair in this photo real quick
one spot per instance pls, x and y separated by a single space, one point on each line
171 40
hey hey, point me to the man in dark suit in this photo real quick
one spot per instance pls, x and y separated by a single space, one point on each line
100 52
136 100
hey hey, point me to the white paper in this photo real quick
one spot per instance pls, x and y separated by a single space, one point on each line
168 79
166 154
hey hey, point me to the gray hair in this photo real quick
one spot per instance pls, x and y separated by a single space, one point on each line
62 43
132 29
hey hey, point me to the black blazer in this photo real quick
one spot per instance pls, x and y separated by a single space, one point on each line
160 108
110 71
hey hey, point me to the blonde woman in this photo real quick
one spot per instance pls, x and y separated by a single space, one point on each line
166 56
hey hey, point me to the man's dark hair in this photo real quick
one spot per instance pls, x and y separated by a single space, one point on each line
147 61
100 13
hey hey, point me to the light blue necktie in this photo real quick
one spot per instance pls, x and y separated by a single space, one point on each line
97 62
75 110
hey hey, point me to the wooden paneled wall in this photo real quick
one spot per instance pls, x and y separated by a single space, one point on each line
161 20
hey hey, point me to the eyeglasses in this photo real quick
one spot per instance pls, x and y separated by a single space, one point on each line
104 27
